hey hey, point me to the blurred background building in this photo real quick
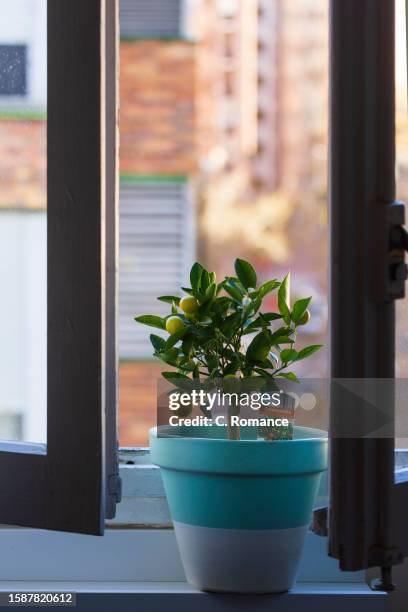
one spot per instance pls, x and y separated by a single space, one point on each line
23 91
223 130
256 171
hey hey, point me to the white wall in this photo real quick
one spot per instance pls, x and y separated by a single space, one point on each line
25 22
23 304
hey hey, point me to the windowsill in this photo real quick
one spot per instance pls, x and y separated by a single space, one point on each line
172 587
138 560
149 597
132 569
128 555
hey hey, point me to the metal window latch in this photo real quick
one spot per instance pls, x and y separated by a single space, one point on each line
398 245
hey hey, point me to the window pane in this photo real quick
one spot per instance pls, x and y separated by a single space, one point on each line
23 197
223 155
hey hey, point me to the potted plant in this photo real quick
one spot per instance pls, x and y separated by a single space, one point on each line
241 501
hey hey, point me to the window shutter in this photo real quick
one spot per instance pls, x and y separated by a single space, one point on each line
367 509
70 484
156 251
150 18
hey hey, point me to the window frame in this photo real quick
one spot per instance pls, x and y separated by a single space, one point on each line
63 486
367 506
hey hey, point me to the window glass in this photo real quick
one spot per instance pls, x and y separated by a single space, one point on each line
13 70
212 171
23 87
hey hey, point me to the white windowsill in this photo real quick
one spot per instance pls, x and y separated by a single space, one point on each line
135 560
157 596
127 555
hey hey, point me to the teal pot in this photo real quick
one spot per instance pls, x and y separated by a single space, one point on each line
241 509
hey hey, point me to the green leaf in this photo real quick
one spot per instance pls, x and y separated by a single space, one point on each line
203 333
261 321
283 340
308 350
232 367
221 305
205 281
263 372
288 355
169 299
268 287
204 310
195 276
213 362
174 338
230 325
283 299
179 380
245 273
151 320
270 316
173 375
282 332
220 286
259 348
233 292
169 356
157 342
188 365
299 309
228 353
187 344
210 293
235 282
289 376
256 302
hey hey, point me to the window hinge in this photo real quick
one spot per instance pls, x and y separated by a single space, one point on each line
398 245
115 487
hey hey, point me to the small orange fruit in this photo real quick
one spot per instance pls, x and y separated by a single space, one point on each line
189 304
174 324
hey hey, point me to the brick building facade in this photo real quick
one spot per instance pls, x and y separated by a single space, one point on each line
157 97
23 166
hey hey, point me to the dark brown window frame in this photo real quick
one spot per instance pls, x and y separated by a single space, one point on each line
71 484
367 508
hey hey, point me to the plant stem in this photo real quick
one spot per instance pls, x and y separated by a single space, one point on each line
234 432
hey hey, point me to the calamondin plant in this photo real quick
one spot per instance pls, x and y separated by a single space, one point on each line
250 490
208 328
220 330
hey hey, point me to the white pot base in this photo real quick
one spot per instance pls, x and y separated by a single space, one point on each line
240 560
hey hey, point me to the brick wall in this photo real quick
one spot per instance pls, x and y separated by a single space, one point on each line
23 167
156 124
138 401
157 107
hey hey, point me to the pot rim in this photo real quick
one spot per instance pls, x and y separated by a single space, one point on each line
316 435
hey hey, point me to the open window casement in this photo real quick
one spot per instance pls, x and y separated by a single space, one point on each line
368 509
71 483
